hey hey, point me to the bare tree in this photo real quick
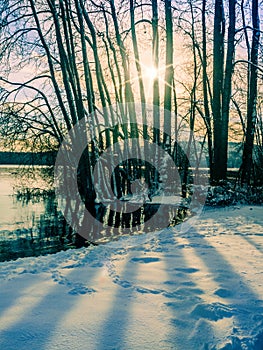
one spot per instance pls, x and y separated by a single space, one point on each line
168 75
247 162
227 85
218 64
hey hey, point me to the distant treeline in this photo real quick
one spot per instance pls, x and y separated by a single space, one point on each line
49 158
28 158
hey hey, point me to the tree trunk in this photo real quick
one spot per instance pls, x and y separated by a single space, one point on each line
168 76
218 64
156 93
227 87
252 99
207 117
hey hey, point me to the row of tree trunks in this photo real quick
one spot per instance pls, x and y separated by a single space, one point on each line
90 64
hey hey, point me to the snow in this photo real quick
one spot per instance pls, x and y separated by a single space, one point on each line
200 289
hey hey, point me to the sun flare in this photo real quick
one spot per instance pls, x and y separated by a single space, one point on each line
151 72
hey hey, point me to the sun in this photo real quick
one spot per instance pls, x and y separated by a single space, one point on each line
151 72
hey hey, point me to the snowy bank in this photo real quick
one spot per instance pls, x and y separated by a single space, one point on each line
202 289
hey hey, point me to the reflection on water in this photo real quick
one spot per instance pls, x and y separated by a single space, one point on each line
32 225
148 218
28 226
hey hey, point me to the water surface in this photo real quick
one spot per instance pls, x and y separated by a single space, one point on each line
32 225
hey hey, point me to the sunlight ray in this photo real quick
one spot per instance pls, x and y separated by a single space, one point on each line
96 307
30 298
203 277
243 257
219 301
150 278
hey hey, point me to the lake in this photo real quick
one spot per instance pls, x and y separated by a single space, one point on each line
32 225
29 226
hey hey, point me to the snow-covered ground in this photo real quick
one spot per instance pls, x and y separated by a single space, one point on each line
200 289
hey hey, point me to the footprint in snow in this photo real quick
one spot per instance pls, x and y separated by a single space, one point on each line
223 293
212 312
189 291
81 290
122 283
145 260
187 269
147 291
75 288
189 284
